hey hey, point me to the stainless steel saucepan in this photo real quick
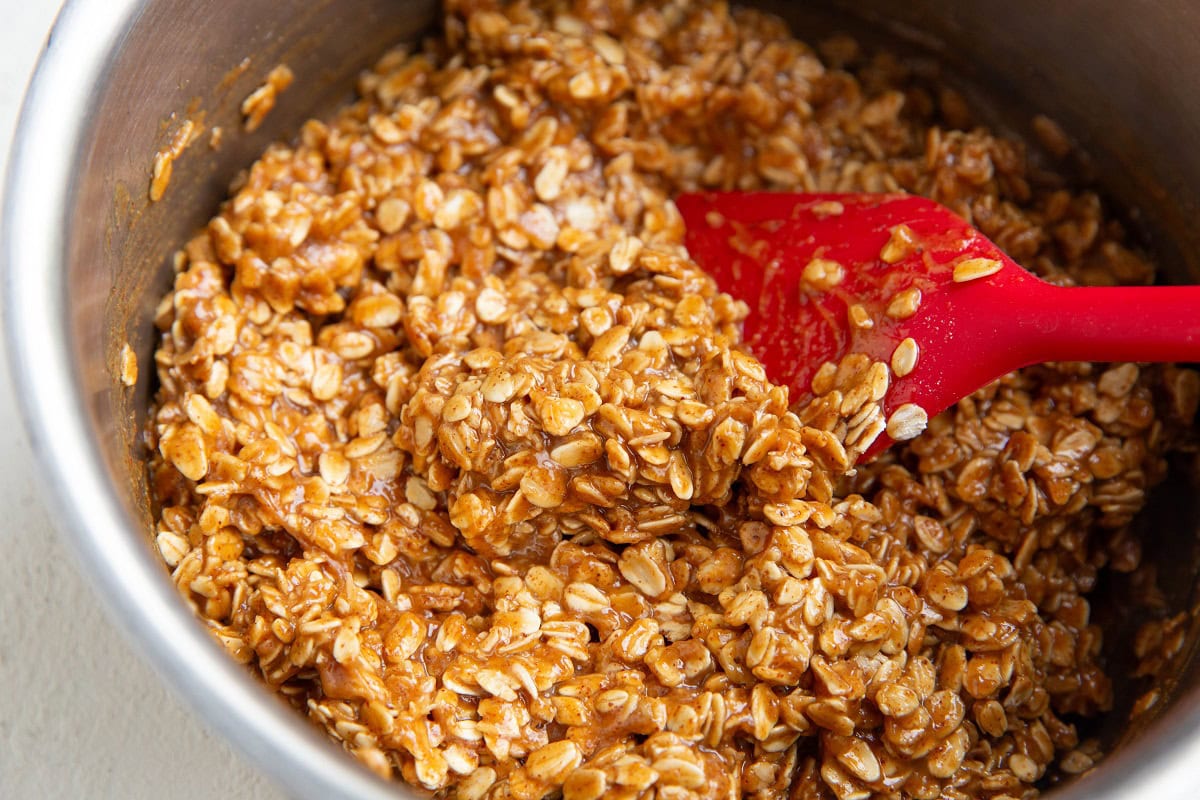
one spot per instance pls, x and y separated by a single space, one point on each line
86 257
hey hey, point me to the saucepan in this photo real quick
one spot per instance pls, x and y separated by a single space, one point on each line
87 255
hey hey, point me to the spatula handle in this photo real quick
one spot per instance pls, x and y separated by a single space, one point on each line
1145 323
983 330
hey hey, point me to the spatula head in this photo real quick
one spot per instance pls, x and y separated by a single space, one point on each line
826 275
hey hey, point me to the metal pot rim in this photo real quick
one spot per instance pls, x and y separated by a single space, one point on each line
38 190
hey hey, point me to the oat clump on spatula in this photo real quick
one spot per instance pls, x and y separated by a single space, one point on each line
457 448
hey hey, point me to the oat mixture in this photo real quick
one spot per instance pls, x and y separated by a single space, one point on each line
458 449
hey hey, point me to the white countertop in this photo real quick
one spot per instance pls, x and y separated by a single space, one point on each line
80 715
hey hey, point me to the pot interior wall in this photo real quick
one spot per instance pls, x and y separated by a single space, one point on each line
1121 89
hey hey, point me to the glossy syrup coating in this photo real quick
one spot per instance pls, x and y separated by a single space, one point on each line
457 448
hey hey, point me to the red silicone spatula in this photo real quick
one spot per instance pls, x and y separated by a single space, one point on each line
830 274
